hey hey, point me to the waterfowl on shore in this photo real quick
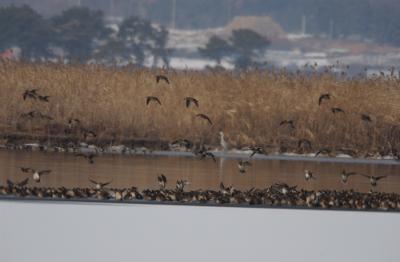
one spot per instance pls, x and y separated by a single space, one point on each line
337 110
288 122
30 94
205 117
88 133
308 175
190 100
242 165
373 179
162 77
323 97
152 98
345 176
206 154
89 157
181 144
366 118
99 185
162 181
180 185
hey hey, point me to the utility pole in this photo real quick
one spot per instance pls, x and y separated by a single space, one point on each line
173 15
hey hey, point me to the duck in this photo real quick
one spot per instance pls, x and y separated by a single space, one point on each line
162 181
373 179
242 165
152 98
308 175
89 157
190 100
99 185
162 77
323 97
345 175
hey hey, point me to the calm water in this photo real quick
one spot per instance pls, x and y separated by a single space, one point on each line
142 171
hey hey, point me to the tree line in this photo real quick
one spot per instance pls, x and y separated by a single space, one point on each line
81 34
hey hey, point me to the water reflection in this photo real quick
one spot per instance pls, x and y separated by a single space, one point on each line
142 171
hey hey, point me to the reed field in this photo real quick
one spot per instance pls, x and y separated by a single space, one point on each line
248 107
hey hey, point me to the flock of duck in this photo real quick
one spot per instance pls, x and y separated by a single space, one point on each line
279 194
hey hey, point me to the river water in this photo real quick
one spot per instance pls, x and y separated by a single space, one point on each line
141 171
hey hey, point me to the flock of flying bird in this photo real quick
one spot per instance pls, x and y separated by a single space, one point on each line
201 152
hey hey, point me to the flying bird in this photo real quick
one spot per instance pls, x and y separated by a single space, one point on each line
99 185
30 94
323 97
345 176
308 175
152 98
366 118
19 184
205 117
242 165
287 122
337 110
43 98
256 150
36 174
162 77
373 179
190 100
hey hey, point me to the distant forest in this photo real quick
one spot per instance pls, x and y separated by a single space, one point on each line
377 20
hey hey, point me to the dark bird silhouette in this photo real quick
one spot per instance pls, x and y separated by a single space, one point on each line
162 181
18 184
323 97
88 157
98 184
30 94
373 179
345 176
256 150
190 100
180 185
43 98
152 98
337 110
366 118
205 154
27 170
162 77
30 114
287 122
205 117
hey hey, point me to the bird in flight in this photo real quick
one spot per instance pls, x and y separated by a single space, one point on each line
323 97
99 185
287 122
373 179
162 77
308 175
203 116
152 98
190 100
30 94
345 176
366 118
43 98
36 174
242 165
18 184
337 110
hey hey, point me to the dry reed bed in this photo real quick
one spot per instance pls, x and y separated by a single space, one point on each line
248 107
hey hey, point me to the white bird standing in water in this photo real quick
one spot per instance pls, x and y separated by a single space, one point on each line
223 143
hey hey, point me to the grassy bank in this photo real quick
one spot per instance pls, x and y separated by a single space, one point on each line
248 107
